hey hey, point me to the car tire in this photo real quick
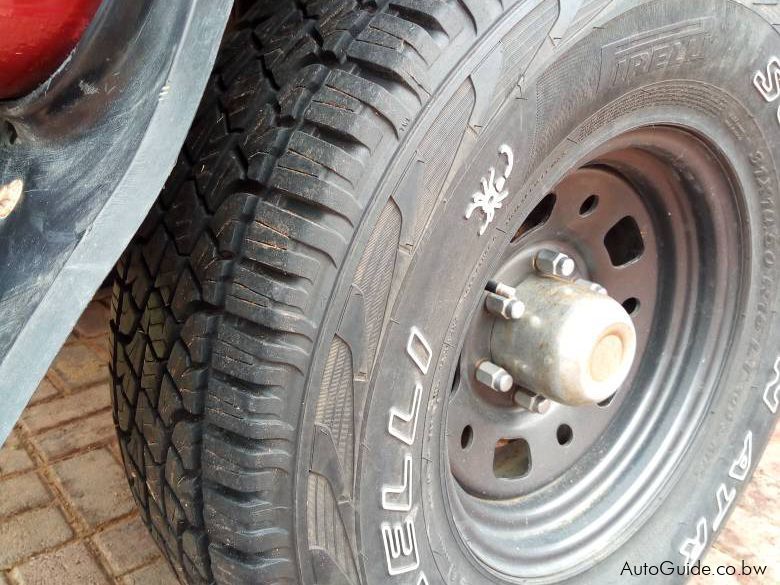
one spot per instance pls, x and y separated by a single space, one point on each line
298 324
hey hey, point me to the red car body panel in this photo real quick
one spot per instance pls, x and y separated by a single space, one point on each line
36 36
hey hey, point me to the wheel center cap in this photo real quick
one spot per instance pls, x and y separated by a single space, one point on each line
607 357
572 344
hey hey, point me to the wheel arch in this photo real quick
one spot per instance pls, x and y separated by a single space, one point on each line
93 146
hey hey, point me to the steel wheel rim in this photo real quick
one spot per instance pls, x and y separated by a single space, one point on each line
531 522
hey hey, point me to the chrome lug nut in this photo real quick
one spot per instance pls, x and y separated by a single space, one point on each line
594 286
504 307
552 263
531 402
494 377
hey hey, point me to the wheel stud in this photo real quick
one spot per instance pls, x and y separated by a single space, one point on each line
494 377
504 307
502 290
552 263
531 402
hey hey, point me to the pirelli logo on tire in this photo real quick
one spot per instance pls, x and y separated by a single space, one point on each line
655 51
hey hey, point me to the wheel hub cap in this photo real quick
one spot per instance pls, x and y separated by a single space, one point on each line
571 345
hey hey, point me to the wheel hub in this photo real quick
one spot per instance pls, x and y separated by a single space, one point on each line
571 344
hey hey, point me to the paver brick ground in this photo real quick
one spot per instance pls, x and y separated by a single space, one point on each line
158 573
45 391
27 492
49 414
67 516
72 565
31 532
77 367
126 546
96 486
14 457
75 436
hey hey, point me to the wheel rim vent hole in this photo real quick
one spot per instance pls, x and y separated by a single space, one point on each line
511 459
631 305
589 205
624 242
466 437
538 216
564 434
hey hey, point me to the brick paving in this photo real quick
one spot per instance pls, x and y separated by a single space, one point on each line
66 513
67 516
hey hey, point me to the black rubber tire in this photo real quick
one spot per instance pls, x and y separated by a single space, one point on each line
249 309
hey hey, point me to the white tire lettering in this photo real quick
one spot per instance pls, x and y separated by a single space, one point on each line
692 548
399 498
414 345
400 543
399 537
725 497
768 84
741 466
403 425
772 390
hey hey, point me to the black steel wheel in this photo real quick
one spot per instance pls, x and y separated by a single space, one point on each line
652 216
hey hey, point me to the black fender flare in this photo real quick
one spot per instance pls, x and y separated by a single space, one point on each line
93 146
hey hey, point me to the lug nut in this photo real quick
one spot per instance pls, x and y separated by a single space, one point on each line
503 307
594 286
494 377
552 263
531 402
